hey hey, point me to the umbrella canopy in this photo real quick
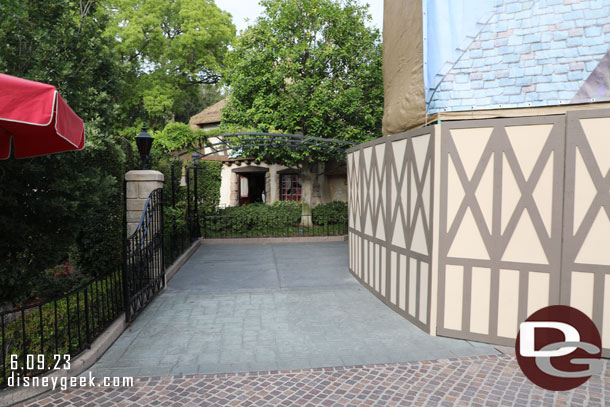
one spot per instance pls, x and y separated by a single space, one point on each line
37 119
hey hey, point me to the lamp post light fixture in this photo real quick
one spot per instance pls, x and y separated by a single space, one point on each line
196 157
144 142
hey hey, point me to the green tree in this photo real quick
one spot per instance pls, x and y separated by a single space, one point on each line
311 67
61 42
171 48
68 205
59 207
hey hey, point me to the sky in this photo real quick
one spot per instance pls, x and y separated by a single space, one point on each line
243 10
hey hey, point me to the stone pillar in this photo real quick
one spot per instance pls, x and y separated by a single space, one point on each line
140 184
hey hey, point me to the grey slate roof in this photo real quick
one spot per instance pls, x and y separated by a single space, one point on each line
530 53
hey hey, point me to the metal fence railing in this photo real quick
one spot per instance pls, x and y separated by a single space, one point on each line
144 266
36 337
279 225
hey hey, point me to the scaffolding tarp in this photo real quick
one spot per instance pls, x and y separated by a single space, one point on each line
403 73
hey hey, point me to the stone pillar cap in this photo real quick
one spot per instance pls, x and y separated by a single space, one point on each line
144 175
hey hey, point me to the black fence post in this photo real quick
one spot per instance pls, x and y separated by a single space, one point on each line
196 198
162 238
87 334
188 204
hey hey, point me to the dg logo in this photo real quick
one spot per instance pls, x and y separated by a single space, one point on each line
558 348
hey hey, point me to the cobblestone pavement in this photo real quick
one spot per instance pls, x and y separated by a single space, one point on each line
493 380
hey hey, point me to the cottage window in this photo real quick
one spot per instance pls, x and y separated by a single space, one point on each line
290 187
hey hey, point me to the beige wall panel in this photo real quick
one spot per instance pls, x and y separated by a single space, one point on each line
426 194
383 271
581 293
393 277
606 313
543 194
402 283
524 245
468 242
423 292
358 257
470 144
584 190
596 132
375 267
412 294
356 191
420 149
413 194
455 192
484 193
379 199
480 300
365 262
510 193
527 141
454 294
399 149
508 303
537 291
594 249
419 243
368 198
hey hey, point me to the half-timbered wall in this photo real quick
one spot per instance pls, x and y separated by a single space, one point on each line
390 220
516 218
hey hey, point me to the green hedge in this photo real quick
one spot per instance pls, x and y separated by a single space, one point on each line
279 219
332 213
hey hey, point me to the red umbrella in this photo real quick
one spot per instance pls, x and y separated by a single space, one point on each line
37 119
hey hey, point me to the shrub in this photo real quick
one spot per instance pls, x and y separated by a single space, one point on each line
332 213
59 280
59 206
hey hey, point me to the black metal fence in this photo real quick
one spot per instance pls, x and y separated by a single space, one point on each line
144 265
178 234
33 335
280 225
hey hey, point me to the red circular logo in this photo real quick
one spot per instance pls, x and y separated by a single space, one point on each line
558 348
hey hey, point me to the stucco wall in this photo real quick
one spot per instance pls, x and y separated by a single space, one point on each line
331 188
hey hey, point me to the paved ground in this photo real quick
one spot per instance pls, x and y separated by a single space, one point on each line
223 314
249 307
475 381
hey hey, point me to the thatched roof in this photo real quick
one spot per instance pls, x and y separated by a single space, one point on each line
210 114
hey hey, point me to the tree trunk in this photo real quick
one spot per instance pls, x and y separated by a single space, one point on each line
307 179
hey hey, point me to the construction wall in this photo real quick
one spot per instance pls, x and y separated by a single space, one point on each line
390 201
468 227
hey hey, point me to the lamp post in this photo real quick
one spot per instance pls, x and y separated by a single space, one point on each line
144 142
196 157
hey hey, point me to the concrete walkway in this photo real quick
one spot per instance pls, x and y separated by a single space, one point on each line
255 307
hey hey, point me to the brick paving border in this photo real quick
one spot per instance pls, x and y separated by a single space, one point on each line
469 381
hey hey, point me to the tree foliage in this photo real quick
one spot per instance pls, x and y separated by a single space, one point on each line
57 208
310 67
171 48
61 42
67 206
